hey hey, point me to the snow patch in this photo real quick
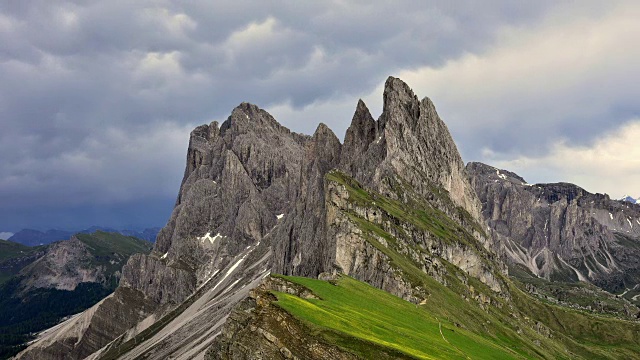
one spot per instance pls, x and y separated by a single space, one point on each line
230 286
209 278
630 223
165 255
611 216
501 176
279 216
231 269
207 236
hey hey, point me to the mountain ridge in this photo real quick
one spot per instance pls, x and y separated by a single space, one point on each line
31 237
561 231
392 207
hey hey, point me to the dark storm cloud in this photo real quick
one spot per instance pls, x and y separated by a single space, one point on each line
97 98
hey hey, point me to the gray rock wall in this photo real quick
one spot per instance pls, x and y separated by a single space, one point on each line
560 231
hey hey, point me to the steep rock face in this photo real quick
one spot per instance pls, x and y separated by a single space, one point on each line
412 142
169 284
302 240
372 232
560 231
238 178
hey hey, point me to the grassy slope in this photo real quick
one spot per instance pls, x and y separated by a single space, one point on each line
112 249
359 310
510 327
104 244
9 251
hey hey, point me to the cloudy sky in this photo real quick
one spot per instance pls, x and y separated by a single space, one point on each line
97 98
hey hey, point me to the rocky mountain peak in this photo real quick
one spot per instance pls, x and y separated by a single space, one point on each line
400 104
325 144
494 173
247 118
362 130
419 146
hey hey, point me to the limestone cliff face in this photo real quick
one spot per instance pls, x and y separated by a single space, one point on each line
560 231
368 256
238 179
408 141
301 245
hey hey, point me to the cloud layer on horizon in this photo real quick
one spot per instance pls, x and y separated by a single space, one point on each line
97 99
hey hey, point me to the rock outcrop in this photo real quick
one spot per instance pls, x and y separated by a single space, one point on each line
64 266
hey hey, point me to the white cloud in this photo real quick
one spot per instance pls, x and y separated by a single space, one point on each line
611 164
565 77
556 101
5 235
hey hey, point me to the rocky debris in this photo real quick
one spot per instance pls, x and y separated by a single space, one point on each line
78 337
186 331
560 231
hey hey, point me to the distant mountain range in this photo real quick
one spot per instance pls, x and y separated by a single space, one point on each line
630 199
30 237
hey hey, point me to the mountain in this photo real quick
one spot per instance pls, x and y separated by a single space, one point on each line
285 246
561 232
31 237
630 199
44 284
